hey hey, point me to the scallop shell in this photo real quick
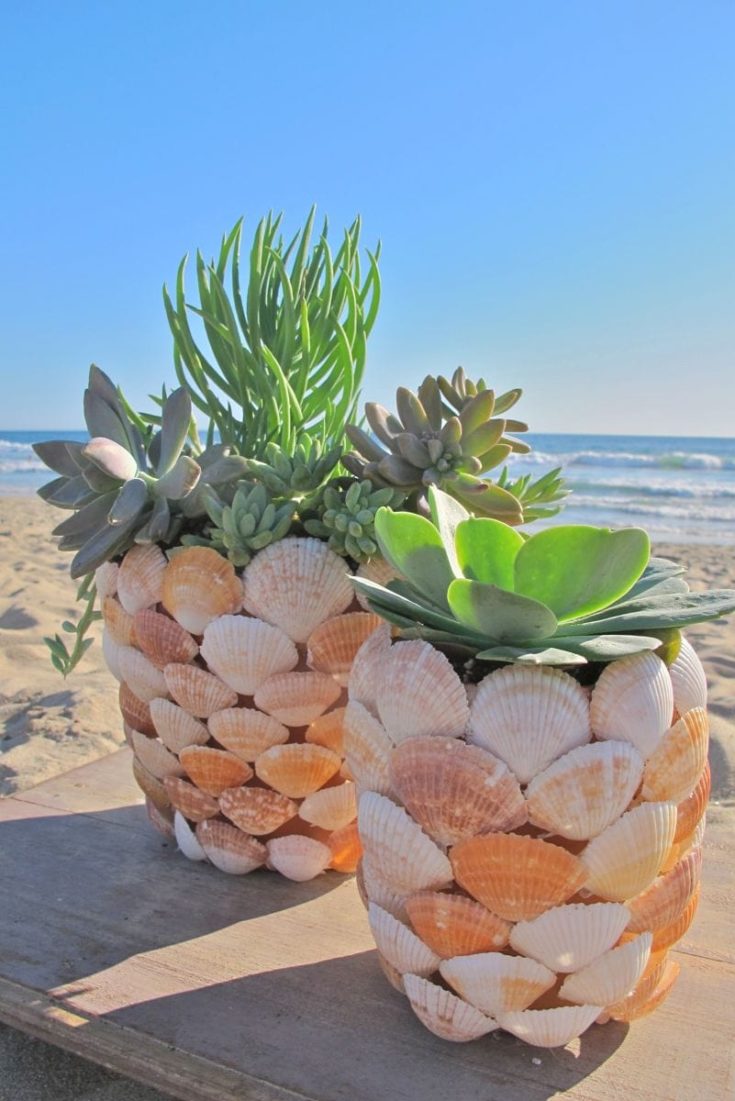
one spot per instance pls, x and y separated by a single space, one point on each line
397 849
453 925
379 570
175 727
296 699
454 790
140 577
140 675
246 732
256 811
328 730
161 820
198 586
332 646
297 769
297 857
154 756
151 786
111 653
105 580
691 810
678 761
567 938
516 877
420 693
366 675
118 622
550 1027
367 749
331 808
688 679
198 692
135 713
625 858
663 902
296 584
400 947
528 717
648 994
373 888
190 800
670 934
495 983
186 839
610 977
584 791
443 1013
214 770
394 977
163 640
344 845
633 701
228 848
245 652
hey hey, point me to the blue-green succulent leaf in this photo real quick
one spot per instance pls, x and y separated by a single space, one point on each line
414 547
487 550
111 458
175 423
660 613
549 655
500 615
447 513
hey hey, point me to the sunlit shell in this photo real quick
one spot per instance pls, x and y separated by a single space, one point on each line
398 849
516 877
257 811
454 790
528 717
328 730
670 934
567 938
154 756
105 580
296 584
610 977
198 586
186 839
175 727
399 945
190 800
245 652
118 622
111 653
297 769
495 983
378 570
633 701
443 1013
140 577
297 857
162 639
214 770
420 693
648 995
135 713
150 785
296 699
666 898
373 888
678 761
688 679
550 1027
581 793
141 675
345 847
453 925
690 811
331 808
246 732
367 749
332 646
228 848
198 692
366 676
625 858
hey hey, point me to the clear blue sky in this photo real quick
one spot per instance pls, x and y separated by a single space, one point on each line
552 183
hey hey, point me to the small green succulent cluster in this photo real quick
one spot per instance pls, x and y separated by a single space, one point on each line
251 522
346 516
305 471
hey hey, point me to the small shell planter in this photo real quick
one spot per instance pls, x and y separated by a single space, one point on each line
532 848
232 695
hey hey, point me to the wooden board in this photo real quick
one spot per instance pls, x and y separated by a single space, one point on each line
217 988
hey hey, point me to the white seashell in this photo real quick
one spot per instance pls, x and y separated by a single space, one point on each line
398 849
365 681
367 749
154 756
141 675
186 839
376 890
633 701
495 983
675 766
111 653
420 693
175 727
550 1027
626 857
443 1013
331 808
611 977
140 577
399 945
246 732
244 652
688 679
228 848
297 857
105 580
567 938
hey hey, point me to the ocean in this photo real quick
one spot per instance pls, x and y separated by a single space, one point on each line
680 489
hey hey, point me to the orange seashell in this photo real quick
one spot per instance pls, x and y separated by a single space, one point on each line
296 699
140 675
626 857
163 640
514 876
670 934
453 925
118 622
230 849
443 1013
674 768
420 693
655 983
367 669
198 692
245 652
328 730
214 770
332 646
297 857
135 713
175 727
246 732
331 808
198 586
140 577
367 749
633 701
190 800
344 845
105 580
151 786
256 811
495 983
397 849
690 811
663 902
297 769
154 756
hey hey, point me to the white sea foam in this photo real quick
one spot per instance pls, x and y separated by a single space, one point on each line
683 460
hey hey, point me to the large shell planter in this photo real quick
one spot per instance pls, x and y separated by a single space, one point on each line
532 848
232 695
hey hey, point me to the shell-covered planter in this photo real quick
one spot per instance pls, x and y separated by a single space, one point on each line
232 692
532 847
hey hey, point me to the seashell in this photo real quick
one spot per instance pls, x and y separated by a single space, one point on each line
214 770
135 713
154 756
691 810
190 800
151 786
228 848
186 839
332 646
397 849
344 845
663 902
110 652
105 580
444 1014
140 675
118 622
584 791
528 717
198 692
246 732
245 652
365 681
670 934
625 858
567 938
297 857
331 808
633 701
198 586
678 761
163 640
367 749
454 790
550 1027
128 732
161 820
495 983
297 769
394 977
688 679
610 977
328 730
420 693
175 727
648 994
373 888
453 925
296 699
400 947
256 810
514 876
140 577
379 570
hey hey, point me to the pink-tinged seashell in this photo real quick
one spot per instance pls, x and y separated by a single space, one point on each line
331 808
198 692
151 786
688 679
633 702
228 848
118 622
495 983
584 791
691 810
454 790
297 857
198 586
652 989
394 977
175 727
190 800
610 977
135 713
528 717
154 756
257 811
214 770
670 934
333 645
186 839
111 653
400 947
420 693
296 584
366 676
378 570
246 732
550 1027
297 769
105 580
516 877
397 849
163 640
344 845
567 938
443 1013
328 730
675 766
140 577
140 675
161 820
453 925
625 858
664 901
296 699
367 749
373 888
245 652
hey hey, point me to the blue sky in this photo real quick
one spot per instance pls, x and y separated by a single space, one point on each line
552 183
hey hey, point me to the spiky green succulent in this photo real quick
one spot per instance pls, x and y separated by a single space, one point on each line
251 522
301 473
346 516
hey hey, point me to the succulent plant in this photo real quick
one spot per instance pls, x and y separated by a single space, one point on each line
301 473
242 528
347 516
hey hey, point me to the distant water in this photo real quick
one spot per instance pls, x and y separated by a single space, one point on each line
679 489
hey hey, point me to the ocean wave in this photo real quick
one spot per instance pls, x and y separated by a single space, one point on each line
710 514
672 460
21 466
692 490
14 445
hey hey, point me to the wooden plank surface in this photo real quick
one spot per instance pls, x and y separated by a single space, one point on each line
218 988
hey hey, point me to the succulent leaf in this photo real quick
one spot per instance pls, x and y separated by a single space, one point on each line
112 459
